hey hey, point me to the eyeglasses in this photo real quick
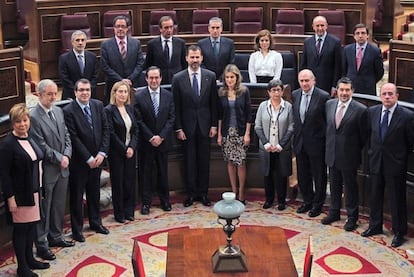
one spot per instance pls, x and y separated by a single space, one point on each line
120 26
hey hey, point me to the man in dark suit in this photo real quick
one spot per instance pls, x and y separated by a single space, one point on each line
217 50
362 62
154 107
89 132
166 52
121 57
346 125
195 98
391 137
49 131
309 142
322 54
77 64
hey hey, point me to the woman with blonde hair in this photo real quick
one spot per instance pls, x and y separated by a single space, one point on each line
122 148
235 118
265 64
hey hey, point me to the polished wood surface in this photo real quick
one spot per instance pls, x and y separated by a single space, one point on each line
189 251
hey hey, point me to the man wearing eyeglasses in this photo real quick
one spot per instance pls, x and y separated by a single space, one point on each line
121 57
77 64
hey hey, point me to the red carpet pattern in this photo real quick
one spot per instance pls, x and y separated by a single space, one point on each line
336 252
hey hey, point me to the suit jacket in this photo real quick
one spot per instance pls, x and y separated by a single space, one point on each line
310 135
327 66
285 126
54 140
392 153
225 55
86 142
191 110
155 56
370 71
115 68
118 130
149 124
70 73
344 145
19 175
243 109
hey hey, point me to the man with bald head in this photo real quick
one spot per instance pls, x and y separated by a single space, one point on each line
391 137
309 142
322 53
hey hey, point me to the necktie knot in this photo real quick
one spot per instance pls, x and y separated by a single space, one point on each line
318 45
81 62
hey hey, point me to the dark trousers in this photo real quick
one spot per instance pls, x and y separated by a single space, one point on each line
312 171
84 179
397 188
344 180
152 160
123 183
23 237
275 177
197 164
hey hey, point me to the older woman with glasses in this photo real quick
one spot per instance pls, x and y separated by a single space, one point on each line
274 127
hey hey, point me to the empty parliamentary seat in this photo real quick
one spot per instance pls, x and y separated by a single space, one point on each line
247 20
201 19
241 60
154 24
71 23
289 70
290 22
107 21
336 23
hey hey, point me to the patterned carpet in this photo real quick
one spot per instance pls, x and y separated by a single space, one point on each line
336 252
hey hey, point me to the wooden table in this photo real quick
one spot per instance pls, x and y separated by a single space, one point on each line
189 252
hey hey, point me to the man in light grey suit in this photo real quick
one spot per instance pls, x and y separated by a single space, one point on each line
346 133
48 129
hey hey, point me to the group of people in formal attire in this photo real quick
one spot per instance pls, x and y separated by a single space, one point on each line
51 150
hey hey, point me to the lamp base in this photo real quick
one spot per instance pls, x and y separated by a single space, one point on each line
229 262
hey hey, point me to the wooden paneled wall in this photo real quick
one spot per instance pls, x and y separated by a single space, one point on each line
11 78
44 45
401 68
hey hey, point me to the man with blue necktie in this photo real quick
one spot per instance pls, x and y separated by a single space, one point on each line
391 129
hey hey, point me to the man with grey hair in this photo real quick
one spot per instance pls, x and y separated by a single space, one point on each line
217 51
77 64
49 131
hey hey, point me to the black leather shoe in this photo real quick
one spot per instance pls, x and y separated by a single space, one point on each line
205 201
120 219
46 254
314 212
267 205
166 206
281 207
61 243
188 202
26 272
329 219
350 225
78 237
100 229
38 265
130 218
304 208
371 232
398 240
145 209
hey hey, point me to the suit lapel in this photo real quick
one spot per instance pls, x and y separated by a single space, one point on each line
395 121
45 118
348 113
